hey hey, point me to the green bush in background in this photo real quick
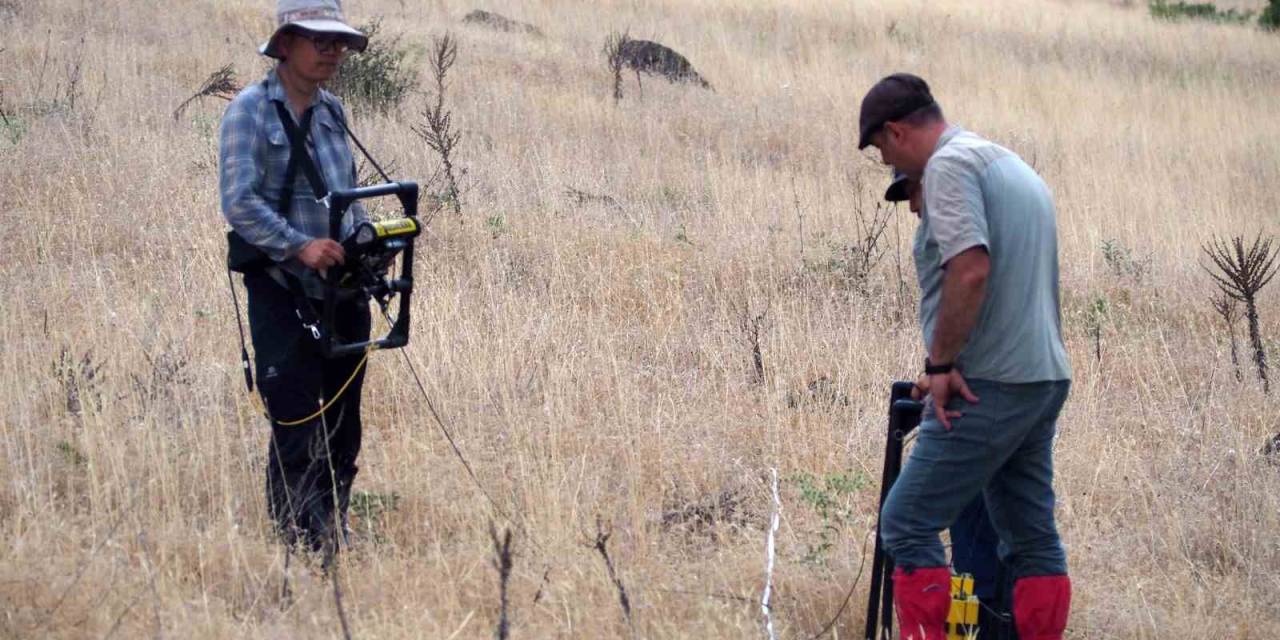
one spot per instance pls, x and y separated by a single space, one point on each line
1270 18
1197 10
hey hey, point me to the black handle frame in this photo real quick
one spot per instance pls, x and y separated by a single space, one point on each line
339 201
904 417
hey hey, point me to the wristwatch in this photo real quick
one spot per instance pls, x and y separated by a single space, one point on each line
934 369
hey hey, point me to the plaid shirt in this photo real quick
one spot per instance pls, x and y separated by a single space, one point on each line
253 151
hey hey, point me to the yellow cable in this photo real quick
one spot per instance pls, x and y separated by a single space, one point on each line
322 409
325 407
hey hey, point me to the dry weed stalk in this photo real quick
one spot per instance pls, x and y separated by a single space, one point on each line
74 73
795 198
220 84
5 114
1228 309
868 247
615 61
345 626
601 545
502 562
542 585
437 121
1241 274
79 379
1094 318
752 323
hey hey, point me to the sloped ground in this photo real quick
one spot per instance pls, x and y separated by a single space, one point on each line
590 356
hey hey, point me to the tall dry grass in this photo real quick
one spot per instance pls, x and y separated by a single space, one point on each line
590 356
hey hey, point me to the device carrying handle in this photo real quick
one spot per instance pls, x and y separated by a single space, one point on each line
342 199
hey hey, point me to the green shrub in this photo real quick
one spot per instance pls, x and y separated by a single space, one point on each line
1270 18
1197 10
378 79
12 129
369 511
1124 262
831 498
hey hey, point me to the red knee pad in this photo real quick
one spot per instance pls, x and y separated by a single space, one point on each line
1040 606
922 598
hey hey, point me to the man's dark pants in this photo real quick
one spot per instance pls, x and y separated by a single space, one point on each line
310 466
974 545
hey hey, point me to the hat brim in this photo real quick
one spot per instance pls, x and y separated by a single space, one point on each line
357 41
864 140
897 191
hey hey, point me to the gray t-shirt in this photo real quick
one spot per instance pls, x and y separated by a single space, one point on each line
977 193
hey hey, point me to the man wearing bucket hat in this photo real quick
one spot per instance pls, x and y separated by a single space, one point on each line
973 540
282 147
997 373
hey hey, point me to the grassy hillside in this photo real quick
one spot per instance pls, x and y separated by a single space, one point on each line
591 357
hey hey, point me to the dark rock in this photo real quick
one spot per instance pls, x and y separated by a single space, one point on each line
651 57
500 23
820 392
585 198
1271 450
727 508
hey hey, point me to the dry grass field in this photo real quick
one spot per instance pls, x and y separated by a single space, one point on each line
590 357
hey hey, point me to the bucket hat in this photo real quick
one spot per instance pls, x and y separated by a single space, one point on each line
314 16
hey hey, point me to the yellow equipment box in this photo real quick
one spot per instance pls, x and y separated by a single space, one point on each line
962 620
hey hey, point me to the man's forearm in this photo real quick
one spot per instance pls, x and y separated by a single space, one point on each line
959 312
963 289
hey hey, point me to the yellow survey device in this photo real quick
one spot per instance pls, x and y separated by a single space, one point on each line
962 620
371 248
397 227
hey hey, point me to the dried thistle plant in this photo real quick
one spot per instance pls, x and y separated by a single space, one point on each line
1240 274
437 121
220 84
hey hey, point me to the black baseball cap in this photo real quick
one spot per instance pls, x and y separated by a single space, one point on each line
897 191
893 98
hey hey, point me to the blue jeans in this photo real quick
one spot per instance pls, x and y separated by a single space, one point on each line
1001 447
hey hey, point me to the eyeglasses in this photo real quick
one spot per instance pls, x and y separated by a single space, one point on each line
328 43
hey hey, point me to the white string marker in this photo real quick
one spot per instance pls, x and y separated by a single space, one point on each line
769 555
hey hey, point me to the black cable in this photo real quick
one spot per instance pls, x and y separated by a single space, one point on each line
342 121
848 596
244 351
457 451
449 436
